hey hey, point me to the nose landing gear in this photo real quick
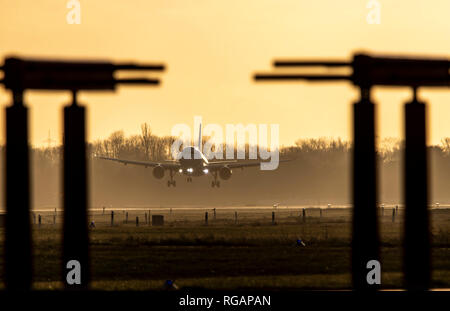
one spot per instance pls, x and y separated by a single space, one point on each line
171 182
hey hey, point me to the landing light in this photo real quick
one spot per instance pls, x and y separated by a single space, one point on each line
180 170
190 170
205 171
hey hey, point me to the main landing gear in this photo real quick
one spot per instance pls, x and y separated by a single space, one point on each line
215 182
189 179
171 182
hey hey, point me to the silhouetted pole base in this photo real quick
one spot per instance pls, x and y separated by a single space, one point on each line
18 262
417 239
76 240
365 225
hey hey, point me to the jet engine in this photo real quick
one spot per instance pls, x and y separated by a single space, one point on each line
158 172
225 173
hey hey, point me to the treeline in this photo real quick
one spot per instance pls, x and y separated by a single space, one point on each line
320 174
145 146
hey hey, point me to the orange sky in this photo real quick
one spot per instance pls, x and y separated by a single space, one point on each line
212 48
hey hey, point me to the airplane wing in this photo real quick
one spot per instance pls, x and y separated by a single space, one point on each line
236 164
221 163
165 165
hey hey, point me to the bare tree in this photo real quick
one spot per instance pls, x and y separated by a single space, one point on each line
146 137
116 140
445 142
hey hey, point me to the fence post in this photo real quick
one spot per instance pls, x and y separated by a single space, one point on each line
112 218
214 213
416 233
137 221
126 217
149 217
206 218
146 220
393 215
365 245
273 218
18 260
40 220
235 217
304 215
76 239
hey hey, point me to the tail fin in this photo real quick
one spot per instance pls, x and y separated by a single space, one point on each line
198 123
200 137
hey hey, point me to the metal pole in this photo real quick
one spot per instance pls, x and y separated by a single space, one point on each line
365 225
417 236
76 239
18 260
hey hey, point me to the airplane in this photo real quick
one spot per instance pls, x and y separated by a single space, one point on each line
192 163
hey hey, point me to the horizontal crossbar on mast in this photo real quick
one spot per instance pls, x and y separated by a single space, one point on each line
372 71
44 74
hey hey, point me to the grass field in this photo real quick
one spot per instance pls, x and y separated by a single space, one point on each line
251 252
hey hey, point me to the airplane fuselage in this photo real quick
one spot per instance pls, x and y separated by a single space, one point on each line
193 162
